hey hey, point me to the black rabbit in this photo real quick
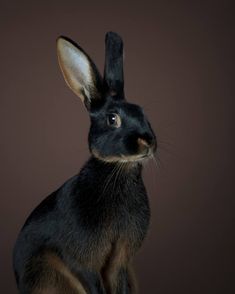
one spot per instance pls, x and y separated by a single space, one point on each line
82 237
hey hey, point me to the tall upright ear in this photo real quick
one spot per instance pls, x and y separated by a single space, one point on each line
79 72
113 70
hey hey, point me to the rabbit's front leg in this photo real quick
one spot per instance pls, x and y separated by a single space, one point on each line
92 282
126 282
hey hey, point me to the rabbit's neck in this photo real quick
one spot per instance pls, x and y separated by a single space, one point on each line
110 179
104 196
120 170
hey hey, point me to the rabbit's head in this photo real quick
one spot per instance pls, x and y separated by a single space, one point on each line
119 130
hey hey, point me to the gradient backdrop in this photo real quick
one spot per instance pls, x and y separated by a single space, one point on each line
178 66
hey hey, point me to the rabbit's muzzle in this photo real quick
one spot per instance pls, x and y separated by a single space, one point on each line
146 148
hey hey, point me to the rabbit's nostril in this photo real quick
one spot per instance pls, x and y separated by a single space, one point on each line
142 143
147 145
144 147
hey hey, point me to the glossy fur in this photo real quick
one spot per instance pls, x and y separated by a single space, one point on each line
82 238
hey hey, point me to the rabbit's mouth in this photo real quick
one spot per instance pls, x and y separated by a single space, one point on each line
123 158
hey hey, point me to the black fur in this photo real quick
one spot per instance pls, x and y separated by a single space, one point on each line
113 71
96 221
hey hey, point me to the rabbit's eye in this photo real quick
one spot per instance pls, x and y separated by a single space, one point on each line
114 120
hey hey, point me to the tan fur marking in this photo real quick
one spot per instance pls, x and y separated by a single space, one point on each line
45 291
59 266
121 158
118 258
132 279
142 142
113 93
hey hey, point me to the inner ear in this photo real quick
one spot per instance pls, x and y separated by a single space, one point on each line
79 71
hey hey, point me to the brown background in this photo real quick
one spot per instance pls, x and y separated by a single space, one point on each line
179 67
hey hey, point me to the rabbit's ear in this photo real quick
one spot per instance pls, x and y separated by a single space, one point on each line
113 70
79 72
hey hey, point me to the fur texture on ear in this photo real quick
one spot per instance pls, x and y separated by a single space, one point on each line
79 72
113 70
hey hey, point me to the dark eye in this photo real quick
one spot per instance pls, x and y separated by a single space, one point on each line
114 120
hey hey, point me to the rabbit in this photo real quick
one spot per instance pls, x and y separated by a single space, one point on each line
83 237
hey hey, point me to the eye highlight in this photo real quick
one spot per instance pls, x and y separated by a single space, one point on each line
113 120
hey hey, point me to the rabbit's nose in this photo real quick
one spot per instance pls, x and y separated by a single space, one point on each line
146 145
142 143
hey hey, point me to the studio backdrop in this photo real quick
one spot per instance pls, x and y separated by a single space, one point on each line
178 67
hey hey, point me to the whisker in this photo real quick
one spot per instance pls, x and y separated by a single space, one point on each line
157 161
153 175
168 150
165 142
117 175
108 181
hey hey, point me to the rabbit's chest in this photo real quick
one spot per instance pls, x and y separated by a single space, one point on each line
126 221
114 251
115 226
122 234
119 243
